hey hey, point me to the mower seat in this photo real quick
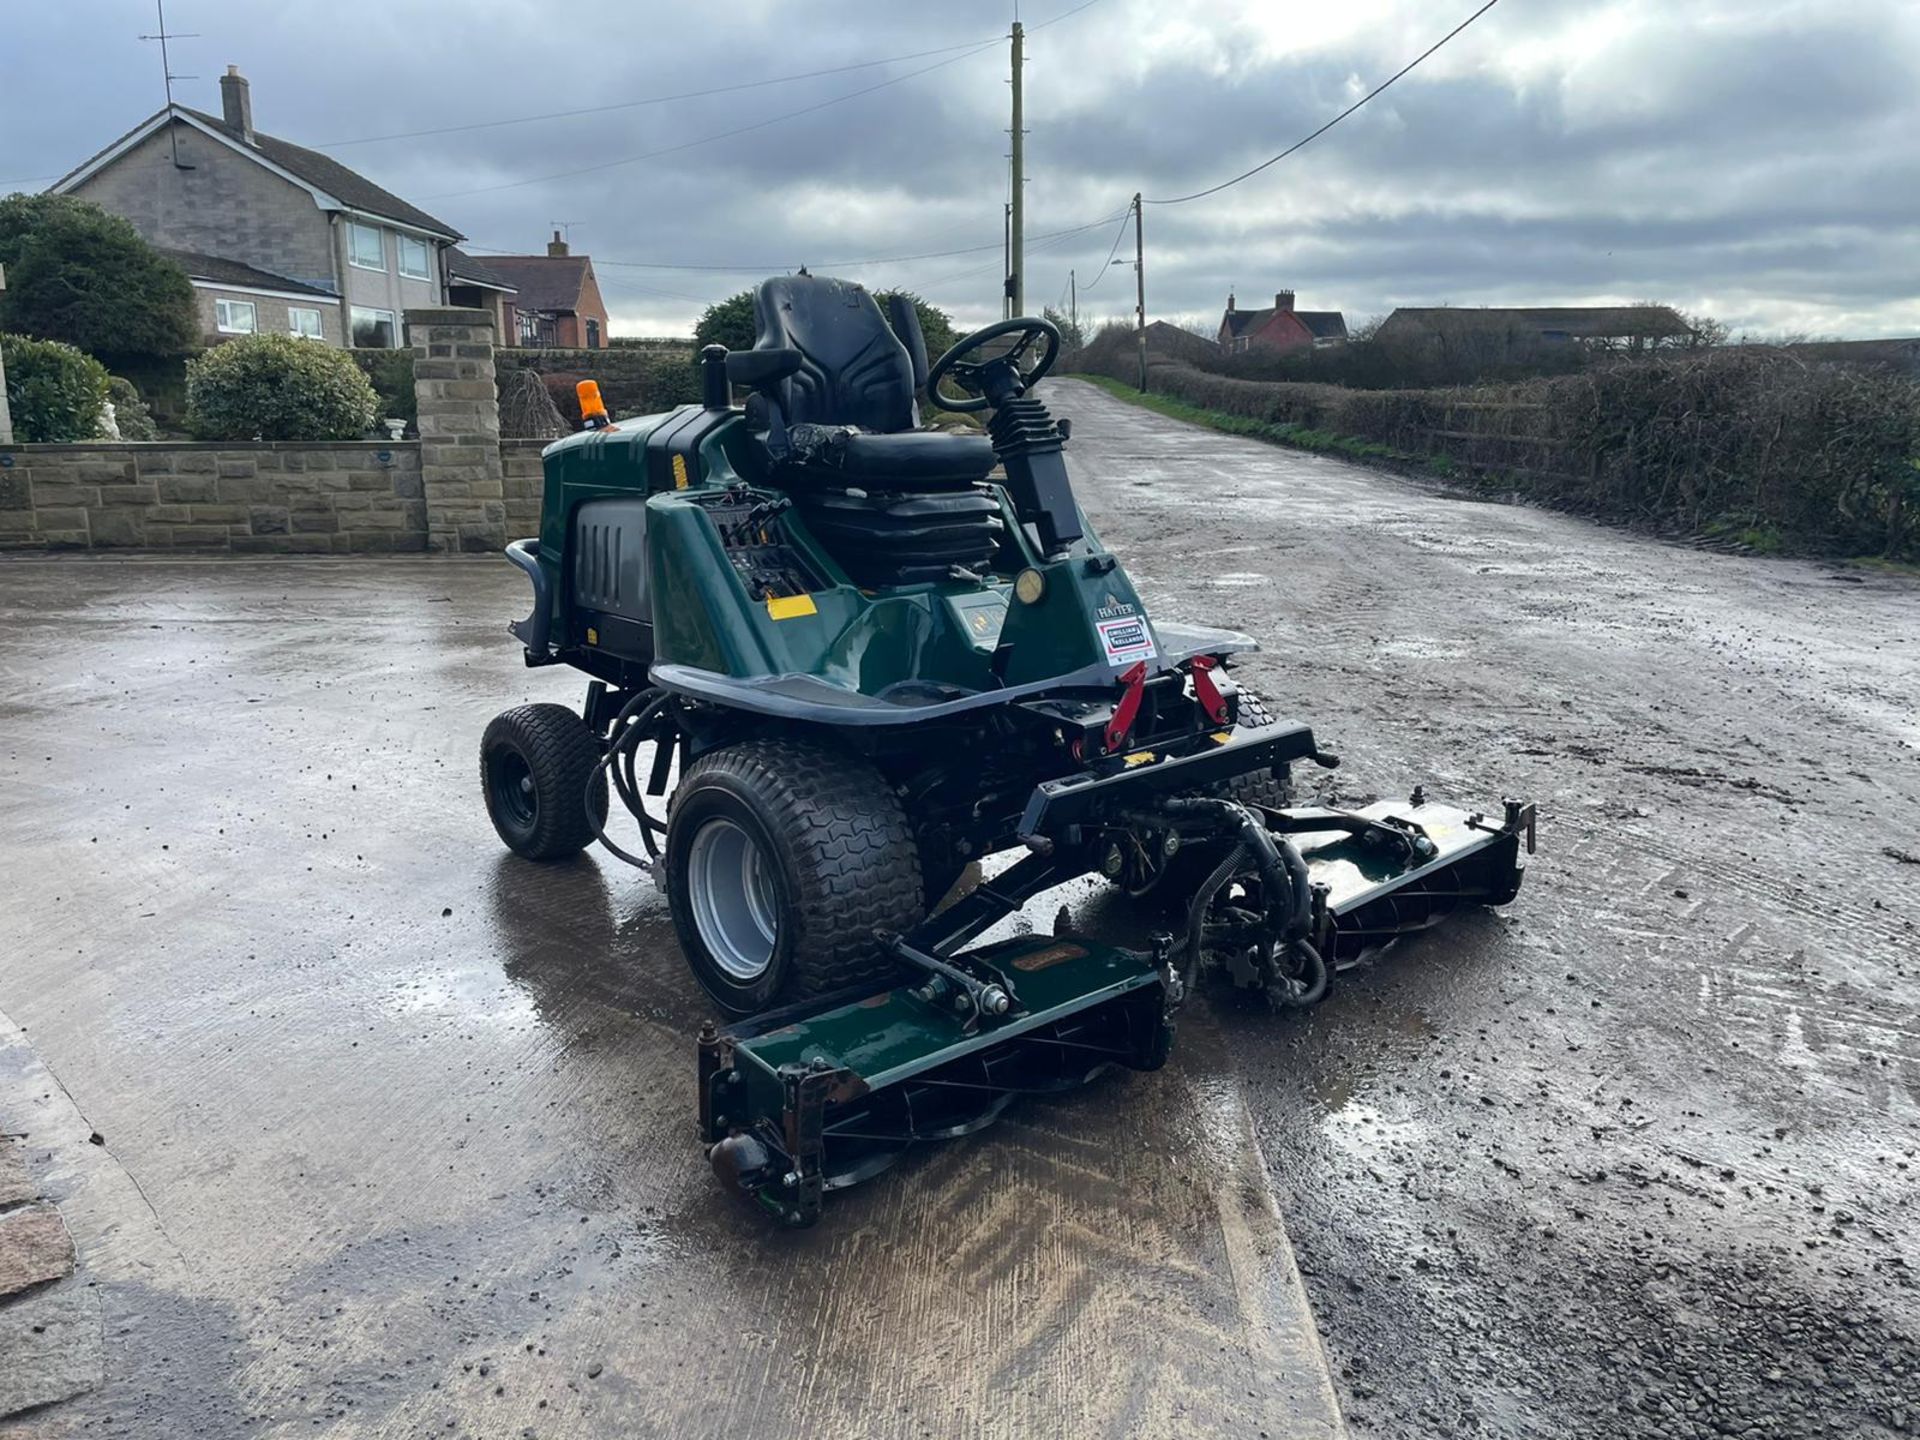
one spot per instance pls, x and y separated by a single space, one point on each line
911 460
834 390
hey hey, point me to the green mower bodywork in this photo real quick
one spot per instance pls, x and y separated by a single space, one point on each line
861 657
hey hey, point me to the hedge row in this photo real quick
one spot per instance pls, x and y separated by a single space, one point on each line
1753 441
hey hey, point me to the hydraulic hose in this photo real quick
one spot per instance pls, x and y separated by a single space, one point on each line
629 727
1282 870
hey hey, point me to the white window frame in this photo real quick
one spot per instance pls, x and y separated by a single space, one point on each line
294 328
353 324
223 311
355 231
402 243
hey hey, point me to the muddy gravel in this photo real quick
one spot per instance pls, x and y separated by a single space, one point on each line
1639 1156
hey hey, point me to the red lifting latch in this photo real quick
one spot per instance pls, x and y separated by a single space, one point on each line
1121 725
1206 691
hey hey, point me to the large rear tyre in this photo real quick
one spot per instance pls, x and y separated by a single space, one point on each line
782 858
536 766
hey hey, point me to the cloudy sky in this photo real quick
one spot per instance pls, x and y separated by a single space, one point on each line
1755 160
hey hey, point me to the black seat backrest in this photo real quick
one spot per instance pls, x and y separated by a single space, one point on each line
853 371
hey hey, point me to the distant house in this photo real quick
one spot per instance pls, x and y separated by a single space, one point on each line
476 285
1280 328
1625 327
274 237
555 300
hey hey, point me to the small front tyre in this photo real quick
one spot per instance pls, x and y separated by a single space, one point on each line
537 770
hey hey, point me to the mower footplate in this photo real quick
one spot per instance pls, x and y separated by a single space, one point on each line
804 1101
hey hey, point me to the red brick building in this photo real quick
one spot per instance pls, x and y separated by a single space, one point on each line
1280 328
555 301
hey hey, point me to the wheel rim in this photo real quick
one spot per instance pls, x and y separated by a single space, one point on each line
514 797
730 885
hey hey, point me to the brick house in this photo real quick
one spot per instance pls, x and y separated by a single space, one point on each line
555 301
1281 328
274 237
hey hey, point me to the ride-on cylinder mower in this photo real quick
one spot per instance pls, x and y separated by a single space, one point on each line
854 656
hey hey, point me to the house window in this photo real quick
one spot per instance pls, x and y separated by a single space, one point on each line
414 261
593 333
304 323
374 329
366 247
233 317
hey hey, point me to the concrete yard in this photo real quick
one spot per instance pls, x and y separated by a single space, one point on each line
363 1127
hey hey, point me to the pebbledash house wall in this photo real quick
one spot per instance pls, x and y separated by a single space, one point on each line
458 488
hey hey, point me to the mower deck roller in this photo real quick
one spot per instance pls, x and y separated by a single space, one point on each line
836 659
816 1097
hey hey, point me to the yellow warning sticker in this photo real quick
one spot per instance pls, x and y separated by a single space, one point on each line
593 636
679 472
790 607
1141 757
1221 737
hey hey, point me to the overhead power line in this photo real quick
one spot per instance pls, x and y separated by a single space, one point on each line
1309 139
658 99
1121 234
719 135
772 267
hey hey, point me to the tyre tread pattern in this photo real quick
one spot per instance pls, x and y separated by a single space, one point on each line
857 867
561 752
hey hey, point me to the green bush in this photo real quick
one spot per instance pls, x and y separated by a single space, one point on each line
130 413
53 390
277 387
77 274
390 372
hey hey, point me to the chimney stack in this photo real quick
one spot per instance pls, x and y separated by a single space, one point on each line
556 246
236 103
1283 300
1229 302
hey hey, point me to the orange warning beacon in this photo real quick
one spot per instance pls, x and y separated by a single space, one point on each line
593 410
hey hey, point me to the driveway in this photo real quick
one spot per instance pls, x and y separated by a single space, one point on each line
394 1131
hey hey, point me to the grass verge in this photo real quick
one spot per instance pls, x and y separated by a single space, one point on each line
1322 442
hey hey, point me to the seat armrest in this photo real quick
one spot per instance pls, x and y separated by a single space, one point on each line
755 368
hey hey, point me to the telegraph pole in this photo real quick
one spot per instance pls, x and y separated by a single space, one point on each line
1073 302
1140 289
6 418
1006 261
1016 219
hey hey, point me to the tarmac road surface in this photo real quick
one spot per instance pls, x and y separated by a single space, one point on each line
1637 1158
395 1130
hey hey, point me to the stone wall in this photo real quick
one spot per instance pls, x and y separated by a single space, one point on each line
459 426
458 488
347 497
525 480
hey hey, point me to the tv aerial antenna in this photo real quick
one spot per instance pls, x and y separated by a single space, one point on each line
163 35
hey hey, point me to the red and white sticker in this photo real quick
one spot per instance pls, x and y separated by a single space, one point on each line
1126 639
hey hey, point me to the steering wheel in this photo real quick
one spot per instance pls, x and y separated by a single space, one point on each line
999 378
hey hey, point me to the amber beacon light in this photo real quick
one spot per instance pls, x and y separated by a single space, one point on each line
593 410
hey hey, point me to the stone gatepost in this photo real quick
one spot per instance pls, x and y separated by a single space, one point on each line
459 429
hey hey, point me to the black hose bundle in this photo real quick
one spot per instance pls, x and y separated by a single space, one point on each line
624 735
1283 873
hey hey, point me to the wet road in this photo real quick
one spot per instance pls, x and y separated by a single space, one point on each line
395 1130
1639 1157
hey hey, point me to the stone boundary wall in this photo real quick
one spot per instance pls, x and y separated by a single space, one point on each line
524 479
349 497
459 487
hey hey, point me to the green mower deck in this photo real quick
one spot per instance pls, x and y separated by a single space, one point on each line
814 1098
